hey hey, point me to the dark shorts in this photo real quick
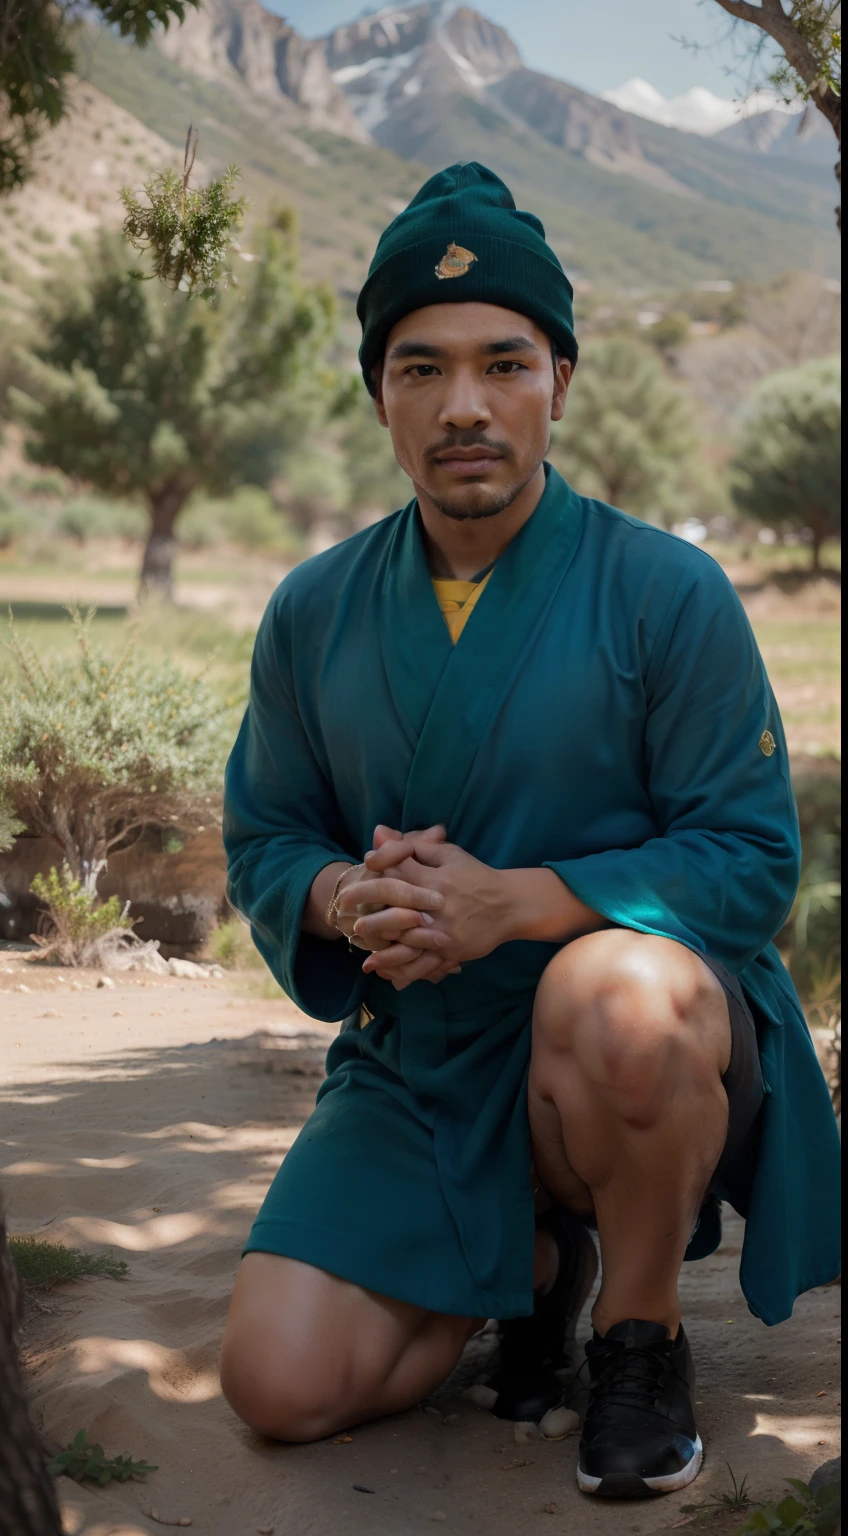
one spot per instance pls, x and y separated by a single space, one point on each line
743 1084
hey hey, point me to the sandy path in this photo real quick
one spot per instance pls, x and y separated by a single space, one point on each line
149 1119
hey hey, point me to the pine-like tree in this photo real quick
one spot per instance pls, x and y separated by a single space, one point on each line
627 435
144 393
787 471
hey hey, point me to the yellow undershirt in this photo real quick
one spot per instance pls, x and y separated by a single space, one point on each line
457 600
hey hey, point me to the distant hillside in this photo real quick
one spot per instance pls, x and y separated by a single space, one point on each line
344 129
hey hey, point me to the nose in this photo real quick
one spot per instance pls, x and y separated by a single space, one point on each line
464 406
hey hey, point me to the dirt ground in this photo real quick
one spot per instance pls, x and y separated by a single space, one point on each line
148 1118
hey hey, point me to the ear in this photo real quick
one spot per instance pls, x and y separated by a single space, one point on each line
562 378
377 376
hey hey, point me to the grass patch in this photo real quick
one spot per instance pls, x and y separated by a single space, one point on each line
232 947
42 1265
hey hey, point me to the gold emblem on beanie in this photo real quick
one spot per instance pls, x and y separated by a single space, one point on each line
455 262
767 744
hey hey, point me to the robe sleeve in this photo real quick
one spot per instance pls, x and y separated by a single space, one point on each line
721 874
282 825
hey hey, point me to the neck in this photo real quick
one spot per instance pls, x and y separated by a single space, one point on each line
461 549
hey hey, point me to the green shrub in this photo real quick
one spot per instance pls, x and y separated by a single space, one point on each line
78 922
233 948
83 1459
10 826
800 1513
247 518
95 749
91 517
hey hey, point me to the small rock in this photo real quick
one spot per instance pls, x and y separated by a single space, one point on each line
117 1014
451 1418
525 1432
559 1422
22 987
824 1476
50 1013
76 986
106 981
550 1509
483 1396
264 1530
438 1514
429 1408
361 1488
187 970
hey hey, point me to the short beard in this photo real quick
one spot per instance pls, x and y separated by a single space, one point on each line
460 514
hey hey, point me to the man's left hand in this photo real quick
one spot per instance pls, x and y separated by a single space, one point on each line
471 923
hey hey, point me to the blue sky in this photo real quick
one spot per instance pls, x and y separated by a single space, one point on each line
595 44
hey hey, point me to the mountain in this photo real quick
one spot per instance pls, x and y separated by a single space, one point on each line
808 139
418 76
345 128
240 44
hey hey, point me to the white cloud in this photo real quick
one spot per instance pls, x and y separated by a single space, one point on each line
697 111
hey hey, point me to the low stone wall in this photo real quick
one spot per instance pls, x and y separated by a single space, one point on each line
178 897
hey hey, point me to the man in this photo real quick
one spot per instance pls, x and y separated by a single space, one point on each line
570 1013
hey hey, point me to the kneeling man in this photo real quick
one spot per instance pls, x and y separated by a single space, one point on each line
571 1014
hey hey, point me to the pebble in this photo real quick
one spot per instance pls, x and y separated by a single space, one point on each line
525 1432
451 1418
22 987
51 1013
550 1509
106 981
429 1408
438 1514
559 1422
483 1396
117 1014
264 1530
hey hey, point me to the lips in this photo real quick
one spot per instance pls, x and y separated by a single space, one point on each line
468 461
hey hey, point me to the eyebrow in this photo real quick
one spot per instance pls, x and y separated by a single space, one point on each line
490 349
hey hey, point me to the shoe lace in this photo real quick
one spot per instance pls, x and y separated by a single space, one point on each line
628 1375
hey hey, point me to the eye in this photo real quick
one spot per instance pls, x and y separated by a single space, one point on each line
506 367
421 370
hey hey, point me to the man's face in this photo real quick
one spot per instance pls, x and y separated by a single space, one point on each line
468 392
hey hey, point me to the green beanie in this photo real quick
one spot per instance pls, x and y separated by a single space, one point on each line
461 239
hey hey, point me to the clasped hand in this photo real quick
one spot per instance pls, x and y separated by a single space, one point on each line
438 907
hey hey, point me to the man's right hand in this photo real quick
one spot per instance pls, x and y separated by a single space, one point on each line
403 905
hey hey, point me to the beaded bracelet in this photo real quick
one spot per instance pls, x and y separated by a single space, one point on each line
331 916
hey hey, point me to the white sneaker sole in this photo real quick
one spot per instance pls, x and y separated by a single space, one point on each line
629 1485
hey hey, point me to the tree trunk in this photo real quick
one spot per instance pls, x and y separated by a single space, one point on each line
27 1497
165 503
771 18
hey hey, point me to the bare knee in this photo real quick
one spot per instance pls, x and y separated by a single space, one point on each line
629 1010
280 1395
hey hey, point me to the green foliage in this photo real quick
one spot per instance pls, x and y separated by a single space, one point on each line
231 945
787 469
95 748
42 1265
735 1501
187 231
10 826
140 394
76 915
627 436
82 1460
798 1514
671 331
817 23
247 518
37 56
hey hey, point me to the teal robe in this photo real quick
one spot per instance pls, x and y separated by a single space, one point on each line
601 715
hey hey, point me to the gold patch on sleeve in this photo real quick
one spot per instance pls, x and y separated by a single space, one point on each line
455 262
767 743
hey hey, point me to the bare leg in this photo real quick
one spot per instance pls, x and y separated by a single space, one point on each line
628 1114
306 1354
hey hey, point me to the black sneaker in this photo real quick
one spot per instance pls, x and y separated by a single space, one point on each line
639 1437
536 1353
